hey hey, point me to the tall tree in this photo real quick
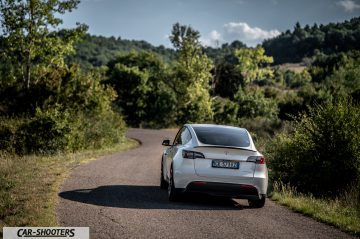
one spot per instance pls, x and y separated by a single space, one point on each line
253 63
192 75
32 40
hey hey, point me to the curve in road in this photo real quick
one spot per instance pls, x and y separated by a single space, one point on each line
118 196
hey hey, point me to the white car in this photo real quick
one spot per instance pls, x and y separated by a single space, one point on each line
216 160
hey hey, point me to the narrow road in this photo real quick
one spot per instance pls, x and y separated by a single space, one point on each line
118 196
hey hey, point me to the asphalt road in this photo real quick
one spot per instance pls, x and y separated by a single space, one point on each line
118 196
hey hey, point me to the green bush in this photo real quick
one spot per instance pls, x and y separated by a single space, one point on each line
253 103
57 129
99 130
8 128
46 132
225 111
321 154
261 127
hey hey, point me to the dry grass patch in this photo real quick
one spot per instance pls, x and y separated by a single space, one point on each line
29 185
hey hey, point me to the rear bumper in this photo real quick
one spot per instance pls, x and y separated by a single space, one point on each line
242 191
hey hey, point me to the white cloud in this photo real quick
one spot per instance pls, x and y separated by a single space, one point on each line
348 5
213 39
241 31
247 34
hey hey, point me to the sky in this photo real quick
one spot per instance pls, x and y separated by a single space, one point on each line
218 21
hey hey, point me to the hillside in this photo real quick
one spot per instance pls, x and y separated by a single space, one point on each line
293 46
95 51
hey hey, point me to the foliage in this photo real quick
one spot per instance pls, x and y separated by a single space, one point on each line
291 104
250 110
228 80
322 153
30 42
143 95
191 76
252 103
225 111
293 46
226 51
76 115
47 132
96 51
253 63
297 80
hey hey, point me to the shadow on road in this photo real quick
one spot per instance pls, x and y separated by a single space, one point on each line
147 197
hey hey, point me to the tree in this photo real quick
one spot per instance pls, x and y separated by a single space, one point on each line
191 76
253 63
228 80
252 103
143 95
31 42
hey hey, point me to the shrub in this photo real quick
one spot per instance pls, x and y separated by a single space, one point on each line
8 128
252 103
322 153
99 130
57 129
225 111
47 132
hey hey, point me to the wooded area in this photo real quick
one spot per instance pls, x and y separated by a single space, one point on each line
67 90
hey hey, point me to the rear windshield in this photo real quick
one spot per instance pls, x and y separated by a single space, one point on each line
222 136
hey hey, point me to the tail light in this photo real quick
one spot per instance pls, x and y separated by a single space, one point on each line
256 159
192 154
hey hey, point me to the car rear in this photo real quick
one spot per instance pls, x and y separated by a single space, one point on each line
226 163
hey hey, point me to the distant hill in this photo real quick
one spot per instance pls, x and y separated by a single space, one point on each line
288 47
293 46
95 51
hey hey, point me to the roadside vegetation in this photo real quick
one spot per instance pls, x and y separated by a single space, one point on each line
315 165
342 211
63 92
29 185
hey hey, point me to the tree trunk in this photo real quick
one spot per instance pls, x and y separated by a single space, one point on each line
28 73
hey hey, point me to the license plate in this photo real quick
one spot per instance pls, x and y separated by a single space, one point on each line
225 164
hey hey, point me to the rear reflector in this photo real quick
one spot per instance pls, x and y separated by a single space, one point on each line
261 161
246 186
199 183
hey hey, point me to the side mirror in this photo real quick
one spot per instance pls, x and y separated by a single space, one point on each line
166 142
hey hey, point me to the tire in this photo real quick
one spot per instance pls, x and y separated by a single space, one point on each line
163 183
173 193
257 203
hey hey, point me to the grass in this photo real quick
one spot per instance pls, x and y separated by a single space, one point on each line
341 212
29 185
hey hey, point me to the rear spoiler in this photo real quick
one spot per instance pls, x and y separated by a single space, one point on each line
225 147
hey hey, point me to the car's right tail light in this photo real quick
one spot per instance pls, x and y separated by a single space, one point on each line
256 159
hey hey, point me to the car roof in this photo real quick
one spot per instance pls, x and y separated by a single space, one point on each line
213 125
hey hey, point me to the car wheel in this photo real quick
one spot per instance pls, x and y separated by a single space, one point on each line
257 203
172 191
163 183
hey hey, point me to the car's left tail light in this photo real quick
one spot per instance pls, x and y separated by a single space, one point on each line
256 159
192 154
